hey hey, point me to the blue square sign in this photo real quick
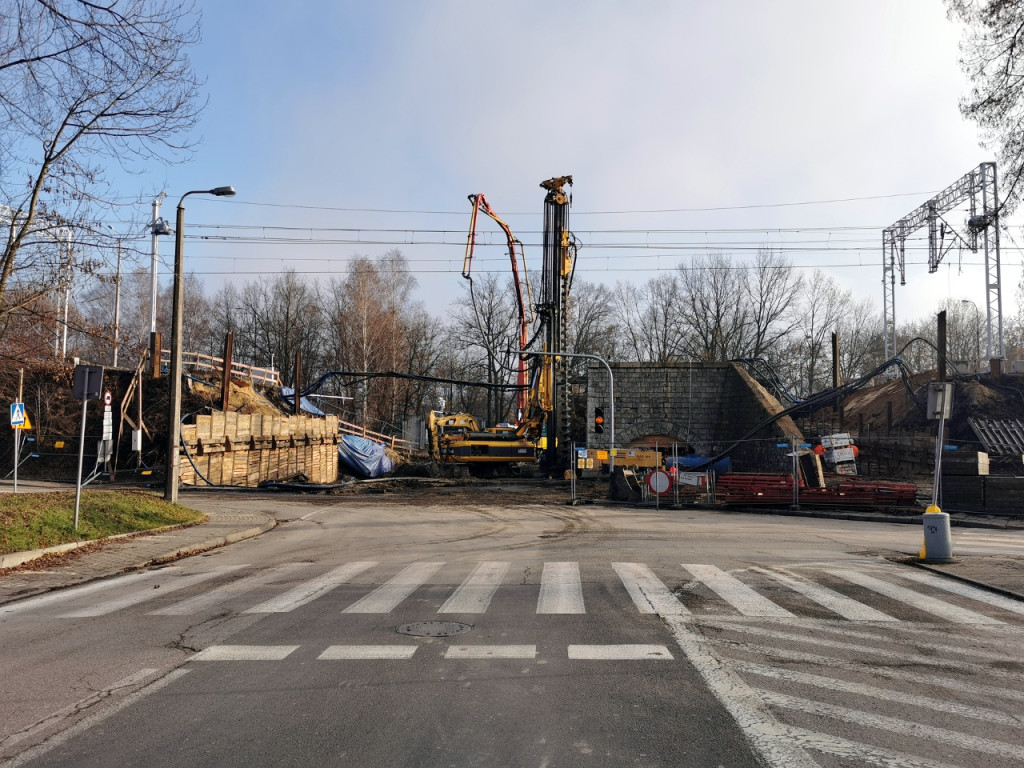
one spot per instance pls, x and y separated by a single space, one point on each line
17 414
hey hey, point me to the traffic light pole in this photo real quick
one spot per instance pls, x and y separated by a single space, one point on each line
611 397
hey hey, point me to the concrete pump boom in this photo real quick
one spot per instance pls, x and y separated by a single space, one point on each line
480 204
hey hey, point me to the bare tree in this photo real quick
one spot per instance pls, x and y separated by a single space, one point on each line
370 312
82 83
823 305
992 56
485 327
860 339
717 318
650 319
771 288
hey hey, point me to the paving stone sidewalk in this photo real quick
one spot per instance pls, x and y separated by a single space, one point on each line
226 524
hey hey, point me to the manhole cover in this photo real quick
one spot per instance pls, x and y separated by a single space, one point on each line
434 628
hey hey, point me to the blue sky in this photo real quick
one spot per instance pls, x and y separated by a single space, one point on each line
322 114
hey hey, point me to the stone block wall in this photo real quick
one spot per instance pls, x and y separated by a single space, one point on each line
704 407
249 449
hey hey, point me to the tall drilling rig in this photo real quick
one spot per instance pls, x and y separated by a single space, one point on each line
558 264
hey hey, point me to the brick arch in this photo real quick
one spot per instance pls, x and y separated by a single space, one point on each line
640 429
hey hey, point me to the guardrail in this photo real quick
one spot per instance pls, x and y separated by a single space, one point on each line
196 361
395 443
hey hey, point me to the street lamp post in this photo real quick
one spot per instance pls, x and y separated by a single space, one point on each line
177 322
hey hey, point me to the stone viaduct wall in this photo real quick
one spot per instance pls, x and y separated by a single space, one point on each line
704 407
248 449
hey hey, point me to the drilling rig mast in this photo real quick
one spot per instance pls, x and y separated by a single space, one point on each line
559 262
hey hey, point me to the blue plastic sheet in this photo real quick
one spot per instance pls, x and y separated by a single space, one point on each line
363 456
288 395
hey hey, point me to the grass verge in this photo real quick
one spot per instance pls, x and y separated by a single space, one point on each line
37 520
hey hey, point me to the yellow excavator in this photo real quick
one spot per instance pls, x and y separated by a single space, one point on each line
458 439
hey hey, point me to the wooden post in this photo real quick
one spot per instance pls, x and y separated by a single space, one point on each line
298 384
225 384
154 354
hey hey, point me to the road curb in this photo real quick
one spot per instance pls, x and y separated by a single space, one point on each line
14 559
967 580
205 546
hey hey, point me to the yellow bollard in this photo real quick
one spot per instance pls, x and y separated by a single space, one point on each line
930 511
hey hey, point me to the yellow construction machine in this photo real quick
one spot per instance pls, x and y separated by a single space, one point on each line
457 438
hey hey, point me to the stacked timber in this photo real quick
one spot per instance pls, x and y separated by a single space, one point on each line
248 449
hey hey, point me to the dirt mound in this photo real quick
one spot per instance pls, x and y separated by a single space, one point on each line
871 408
243 397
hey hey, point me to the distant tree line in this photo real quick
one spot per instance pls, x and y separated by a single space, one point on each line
713 308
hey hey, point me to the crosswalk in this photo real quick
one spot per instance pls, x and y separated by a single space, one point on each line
862 593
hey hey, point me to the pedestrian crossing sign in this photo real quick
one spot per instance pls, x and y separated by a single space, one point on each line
17 414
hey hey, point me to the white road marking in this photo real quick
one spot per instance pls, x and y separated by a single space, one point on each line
915 599
86 589
141 596
871 652
965 590
915 678
892 637
560 589
736 593
836 602
93 720
766 735
245 653
862 754
387 596
199 603
618 652
491 652
475 593
900 696
311 590
78 706
894 725
649 594
342 652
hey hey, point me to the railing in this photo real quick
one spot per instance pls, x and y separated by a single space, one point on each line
395 443
196 361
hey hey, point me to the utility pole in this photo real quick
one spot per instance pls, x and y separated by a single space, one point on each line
117 304
157 227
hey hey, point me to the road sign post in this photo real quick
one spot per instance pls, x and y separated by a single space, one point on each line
88 383
17 422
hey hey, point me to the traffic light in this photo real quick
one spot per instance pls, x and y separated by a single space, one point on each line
598 420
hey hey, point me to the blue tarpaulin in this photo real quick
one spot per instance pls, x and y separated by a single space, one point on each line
288 395
363 456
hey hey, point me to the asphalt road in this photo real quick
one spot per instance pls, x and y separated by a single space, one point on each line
592 636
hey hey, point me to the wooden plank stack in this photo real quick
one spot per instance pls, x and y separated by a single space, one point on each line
248 449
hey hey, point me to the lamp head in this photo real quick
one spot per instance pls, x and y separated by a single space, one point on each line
223 191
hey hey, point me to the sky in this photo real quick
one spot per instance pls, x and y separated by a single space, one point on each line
350 128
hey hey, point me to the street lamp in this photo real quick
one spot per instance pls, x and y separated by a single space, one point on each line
177 321
977 334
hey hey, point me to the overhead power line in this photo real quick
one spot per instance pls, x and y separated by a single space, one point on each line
832 201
